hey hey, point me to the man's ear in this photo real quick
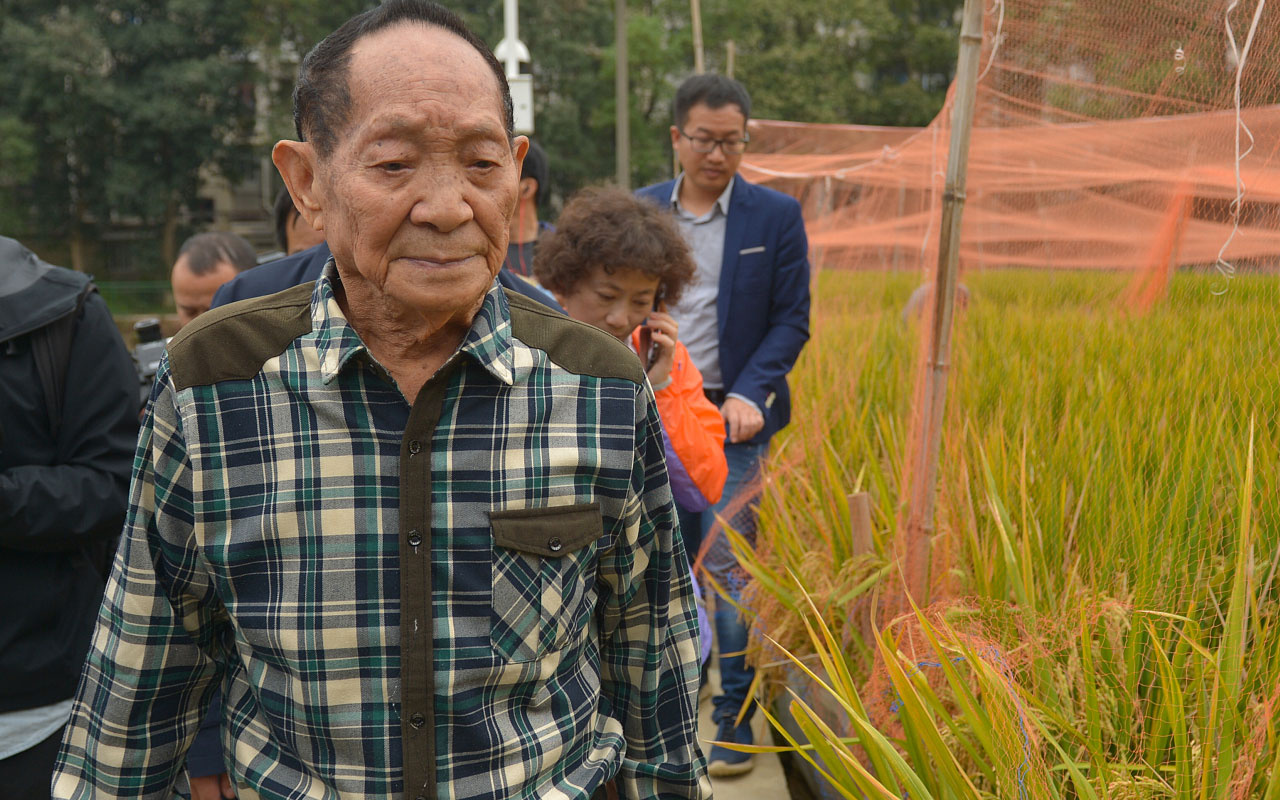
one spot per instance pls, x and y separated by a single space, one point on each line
297 163
519 149
528 188
675 136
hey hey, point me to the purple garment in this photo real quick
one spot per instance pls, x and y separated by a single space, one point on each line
683 489
704 622
689 498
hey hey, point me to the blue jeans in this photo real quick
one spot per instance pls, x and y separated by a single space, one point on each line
719 561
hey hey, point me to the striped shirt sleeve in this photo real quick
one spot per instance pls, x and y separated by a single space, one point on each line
649 639
155 651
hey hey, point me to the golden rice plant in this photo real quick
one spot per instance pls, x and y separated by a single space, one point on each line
1107 617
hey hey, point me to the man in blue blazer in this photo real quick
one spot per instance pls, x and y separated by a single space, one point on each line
744 323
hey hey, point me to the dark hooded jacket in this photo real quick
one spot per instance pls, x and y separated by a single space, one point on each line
63 496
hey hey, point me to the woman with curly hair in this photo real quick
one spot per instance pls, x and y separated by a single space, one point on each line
615 261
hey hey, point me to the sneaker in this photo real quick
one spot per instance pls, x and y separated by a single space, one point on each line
724 762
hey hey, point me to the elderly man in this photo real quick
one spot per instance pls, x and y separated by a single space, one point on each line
419 530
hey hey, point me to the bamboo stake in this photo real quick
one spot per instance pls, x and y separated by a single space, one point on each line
920 511
695 11
622 118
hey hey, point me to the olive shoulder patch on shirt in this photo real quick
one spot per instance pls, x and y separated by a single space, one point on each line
575 346
232 342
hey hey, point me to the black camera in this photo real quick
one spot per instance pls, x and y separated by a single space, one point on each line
147 353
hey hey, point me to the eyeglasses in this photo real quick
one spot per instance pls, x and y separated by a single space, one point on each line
705 144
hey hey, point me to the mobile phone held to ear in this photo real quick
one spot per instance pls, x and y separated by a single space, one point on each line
647 345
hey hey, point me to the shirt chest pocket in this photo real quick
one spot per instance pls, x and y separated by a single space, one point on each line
543 578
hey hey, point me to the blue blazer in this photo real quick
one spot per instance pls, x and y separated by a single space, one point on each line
306 265
763 303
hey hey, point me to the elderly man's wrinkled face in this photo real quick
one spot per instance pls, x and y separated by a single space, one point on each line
418 191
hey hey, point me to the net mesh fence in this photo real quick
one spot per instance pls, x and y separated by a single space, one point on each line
1103 617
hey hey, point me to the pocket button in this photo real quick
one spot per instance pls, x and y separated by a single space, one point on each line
554 544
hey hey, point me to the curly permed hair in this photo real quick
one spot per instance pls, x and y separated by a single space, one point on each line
604 226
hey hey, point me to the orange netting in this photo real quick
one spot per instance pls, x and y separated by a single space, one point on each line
1095 121
1104 616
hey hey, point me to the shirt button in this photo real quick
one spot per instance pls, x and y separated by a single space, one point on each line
415 538
417 720
415 447
555 544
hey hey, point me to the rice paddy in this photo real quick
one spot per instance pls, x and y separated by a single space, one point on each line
1104 620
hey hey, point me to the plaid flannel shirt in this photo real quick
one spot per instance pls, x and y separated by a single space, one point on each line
479 596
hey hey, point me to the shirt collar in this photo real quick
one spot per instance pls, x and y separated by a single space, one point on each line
488 341
722 202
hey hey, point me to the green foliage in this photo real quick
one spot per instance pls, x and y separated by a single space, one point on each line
124 107
870 62
280 33
109 114
572 46
17 165
883 62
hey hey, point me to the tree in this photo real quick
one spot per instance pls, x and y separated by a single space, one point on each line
871 62
109 112
571 42
279 34
122 110
886 62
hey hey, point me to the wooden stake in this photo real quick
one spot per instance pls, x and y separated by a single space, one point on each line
621 92
924 462
860 523
695 11
862 544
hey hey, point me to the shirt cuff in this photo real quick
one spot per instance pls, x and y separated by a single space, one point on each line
746 400
657 387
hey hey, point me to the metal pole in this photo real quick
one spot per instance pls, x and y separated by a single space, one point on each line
695 11
730 56
513 52
924 473
511 32
622 120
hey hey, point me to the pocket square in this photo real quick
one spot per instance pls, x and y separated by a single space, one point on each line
748 251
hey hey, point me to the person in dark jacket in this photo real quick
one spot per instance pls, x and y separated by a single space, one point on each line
64 479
